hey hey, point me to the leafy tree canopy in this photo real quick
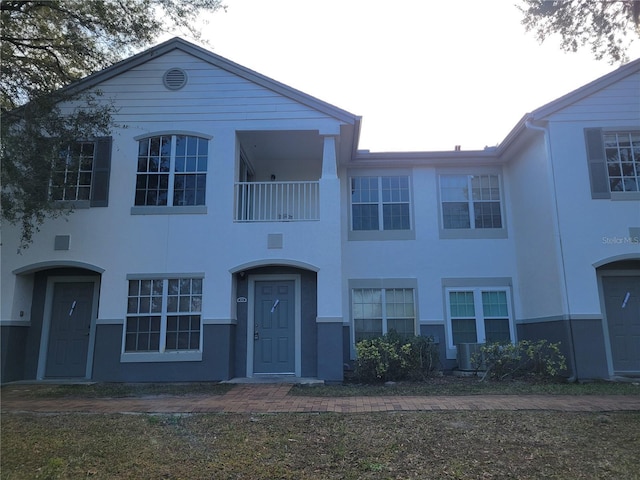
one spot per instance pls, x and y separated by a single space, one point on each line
607 27
47 45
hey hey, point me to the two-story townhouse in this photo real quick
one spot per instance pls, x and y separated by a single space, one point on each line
575 196
429 245
212 252
229 227
537 238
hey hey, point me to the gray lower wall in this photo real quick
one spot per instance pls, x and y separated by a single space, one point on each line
21 345
325 347
589 360
346 347
435 331
216 361
438 334
13 341
330 364
587 335
32 345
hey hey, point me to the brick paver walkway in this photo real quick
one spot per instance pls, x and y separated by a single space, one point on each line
276 399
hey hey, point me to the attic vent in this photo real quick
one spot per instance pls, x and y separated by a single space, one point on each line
175 79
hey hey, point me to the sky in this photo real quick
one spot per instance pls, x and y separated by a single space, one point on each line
425 75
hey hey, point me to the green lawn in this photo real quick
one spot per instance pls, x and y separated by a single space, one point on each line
447 385
400 445
450 385
445 445
113 390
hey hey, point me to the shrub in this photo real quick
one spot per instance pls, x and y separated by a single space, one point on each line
394 357
539 360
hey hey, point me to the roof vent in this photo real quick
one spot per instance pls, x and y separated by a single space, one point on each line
175 79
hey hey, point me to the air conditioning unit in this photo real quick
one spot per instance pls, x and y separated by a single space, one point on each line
466 354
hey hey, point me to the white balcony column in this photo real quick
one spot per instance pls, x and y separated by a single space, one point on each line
329 157
329 321
330 275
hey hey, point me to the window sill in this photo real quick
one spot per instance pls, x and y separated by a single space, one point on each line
625 196
181 210
72 204
381 235
468 233
157 357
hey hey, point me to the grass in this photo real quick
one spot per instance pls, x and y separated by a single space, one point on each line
398 445
113 390
446 445
447 385
450 385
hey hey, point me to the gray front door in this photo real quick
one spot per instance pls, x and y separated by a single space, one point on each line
622 303
69 329
274 329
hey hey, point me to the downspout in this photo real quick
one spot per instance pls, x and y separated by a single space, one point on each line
556 220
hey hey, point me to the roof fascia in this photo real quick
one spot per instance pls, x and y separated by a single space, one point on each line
540 114
514 135
586 90
425 159
218 61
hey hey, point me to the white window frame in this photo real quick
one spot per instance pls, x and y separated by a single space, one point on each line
382 284
629 134
66 159
472 231
479 312
162 355
381 233
170 208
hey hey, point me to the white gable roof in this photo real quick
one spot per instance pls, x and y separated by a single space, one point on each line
566 101
587 90
222 63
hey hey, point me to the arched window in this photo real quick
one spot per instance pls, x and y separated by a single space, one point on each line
172 170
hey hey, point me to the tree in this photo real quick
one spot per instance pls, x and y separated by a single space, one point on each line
45 46
608 27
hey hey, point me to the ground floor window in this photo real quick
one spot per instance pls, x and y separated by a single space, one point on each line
377 311
163 315
479 315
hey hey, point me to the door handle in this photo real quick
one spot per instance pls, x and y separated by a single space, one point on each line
256 336
275 304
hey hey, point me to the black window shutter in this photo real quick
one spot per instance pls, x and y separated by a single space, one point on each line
101 173
597 162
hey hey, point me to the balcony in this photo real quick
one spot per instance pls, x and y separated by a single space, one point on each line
277 176
277 201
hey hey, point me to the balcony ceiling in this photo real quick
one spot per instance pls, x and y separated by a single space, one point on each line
290 155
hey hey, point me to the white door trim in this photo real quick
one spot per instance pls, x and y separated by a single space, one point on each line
46 321
297 320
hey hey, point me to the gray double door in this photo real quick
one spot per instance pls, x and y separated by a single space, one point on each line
274 328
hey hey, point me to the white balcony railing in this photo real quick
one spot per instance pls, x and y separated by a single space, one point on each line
277 201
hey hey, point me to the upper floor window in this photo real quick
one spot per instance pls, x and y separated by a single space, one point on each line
172 171
380 203
470 204
80 174
71 179
622 151
470 201
613 159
